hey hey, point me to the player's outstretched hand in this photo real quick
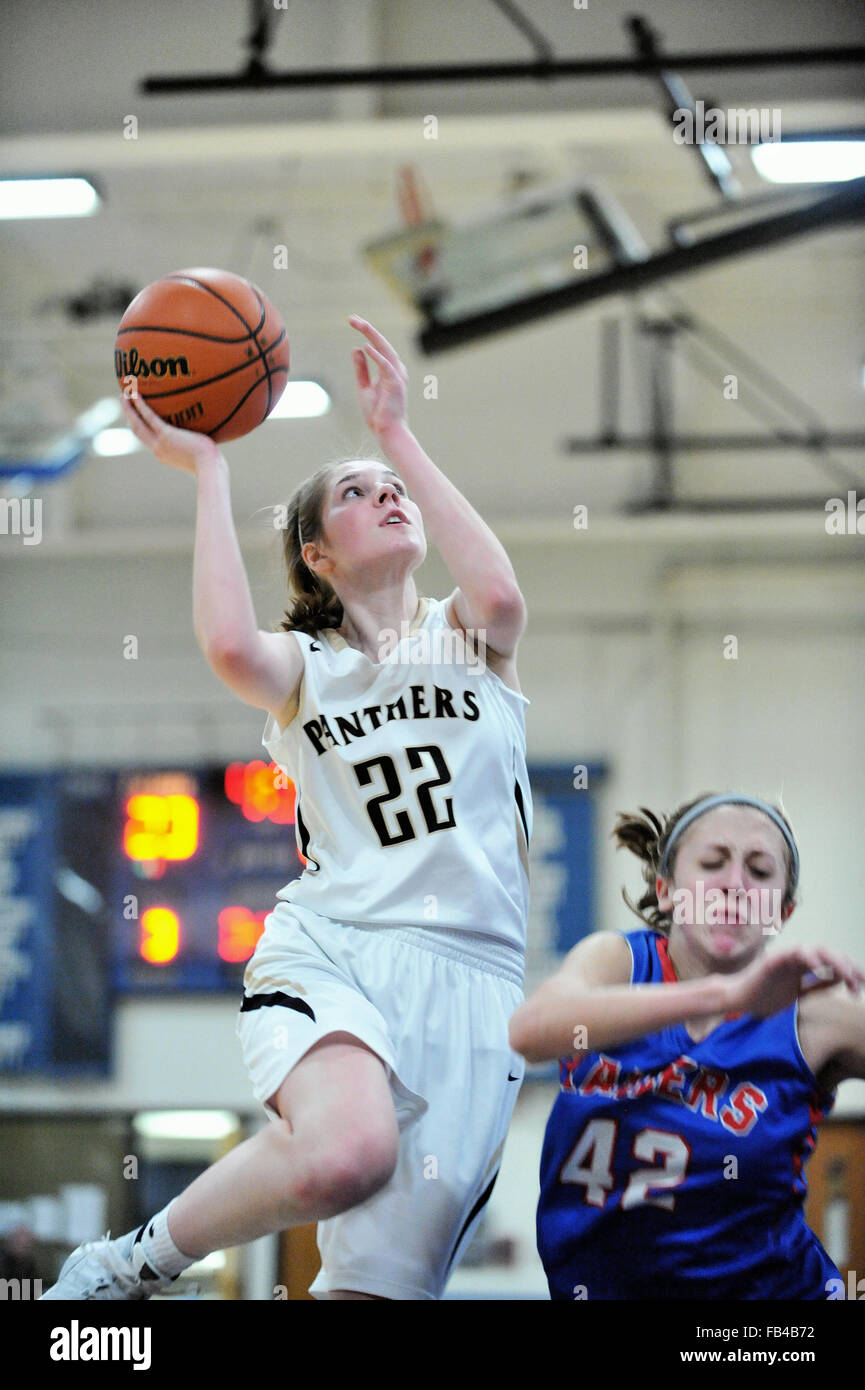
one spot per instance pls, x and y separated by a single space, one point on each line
778 978
183 449
382 401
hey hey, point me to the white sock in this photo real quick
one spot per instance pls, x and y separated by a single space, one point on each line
159 1251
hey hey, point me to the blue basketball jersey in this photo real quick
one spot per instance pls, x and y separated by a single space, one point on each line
675 1169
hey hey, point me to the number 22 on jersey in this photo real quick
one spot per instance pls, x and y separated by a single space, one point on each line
423 792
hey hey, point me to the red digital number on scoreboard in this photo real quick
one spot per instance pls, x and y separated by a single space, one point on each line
262 791
239 930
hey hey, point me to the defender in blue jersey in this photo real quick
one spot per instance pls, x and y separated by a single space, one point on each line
698 1065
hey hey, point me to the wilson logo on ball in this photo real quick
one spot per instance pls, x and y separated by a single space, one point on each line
130 364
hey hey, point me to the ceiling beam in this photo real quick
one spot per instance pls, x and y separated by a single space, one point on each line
775 440
334 140
257 77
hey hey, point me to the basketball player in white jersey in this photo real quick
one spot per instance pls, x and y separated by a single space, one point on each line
374 1021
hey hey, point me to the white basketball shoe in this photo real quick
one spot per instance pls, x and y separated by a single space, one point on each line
109 1269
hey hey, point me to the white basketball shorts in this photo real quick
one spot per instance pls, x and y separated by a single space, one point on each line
434 1006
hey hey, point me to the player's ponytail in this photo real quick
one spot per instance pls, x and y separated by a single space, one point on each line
647 836
644 835
314 605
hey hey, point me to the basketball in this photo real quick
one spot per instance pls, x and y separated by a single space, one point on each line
208 350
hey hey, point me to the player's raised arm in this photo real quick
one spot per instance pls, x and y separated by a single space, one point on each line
488 595
261 668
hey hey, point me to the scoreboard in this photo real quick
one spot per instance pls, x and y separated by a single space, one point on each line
200 858
155 881
114 882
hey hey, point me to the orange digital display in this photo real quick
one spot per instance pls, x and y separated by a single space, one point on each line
161 827
159 939
200 860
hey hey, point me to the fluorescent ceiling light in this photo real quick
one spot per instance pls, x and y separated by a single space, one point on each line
810 161
299 400
47 197
185 1124
100 415
112 443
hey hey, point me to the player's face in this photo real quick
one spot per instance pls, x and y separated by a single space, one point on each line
362 495
729 879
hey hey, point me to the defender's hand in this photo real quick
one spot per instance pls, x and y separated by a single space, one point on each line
778 978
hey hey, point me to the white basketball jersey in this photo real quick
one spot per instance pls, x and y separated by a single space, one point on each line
413 798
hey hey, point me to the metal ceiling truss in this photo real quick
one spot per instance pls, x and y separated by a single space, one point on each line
647 62
712 354
825 209
686 254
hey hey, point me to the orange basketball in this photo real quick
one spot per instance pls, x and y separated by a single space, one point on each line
209 352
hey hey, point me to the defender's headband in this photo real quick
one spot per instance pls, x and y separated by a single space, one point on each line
709 803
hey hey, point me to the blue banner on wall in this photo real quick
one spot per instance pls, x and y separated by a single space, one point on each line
563 900
54 925
27 828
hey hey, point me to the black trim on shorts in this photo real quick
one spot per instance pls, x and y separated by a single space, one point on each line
267 1001
518 793
475 1211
